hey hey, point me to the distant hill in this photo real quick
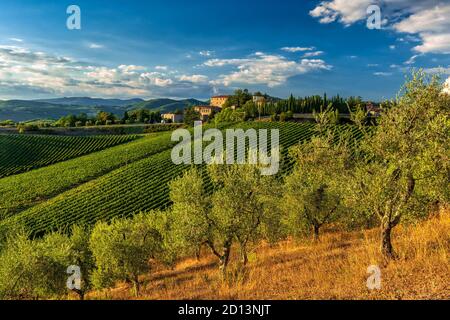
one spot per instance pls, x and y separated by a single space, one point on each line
44 109
23 110
167 105
86 101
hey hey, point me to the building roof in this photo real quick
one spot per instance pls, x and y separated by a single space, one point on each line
220 97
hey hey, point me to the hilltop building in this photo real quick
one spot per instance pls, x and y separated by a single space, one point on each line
207 111
219 101
259 100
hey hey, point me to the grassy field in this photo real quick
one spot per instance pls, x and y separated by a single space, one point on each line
334 268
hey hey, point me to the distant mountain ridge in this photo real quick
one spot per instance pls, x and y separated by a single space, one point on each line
53 109
87 101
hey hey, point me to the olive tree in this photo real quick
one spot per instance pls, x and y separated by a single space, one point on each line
313 192
235 212
192 225
123 249
34 269
242 206
404 165
81 256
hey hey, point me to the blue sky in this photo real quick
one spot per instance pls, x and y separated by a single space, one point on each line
184 49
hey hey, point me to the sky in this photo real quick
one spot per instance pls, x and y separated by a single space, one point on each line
196 49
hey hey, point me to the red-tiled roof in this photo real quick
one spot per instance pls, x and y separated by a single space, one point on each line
220 97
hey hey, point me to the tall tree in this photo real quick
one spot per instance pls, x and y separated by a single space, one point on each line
404 166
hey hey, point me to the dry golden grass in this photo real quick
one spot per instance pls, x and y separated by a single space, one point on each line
335 268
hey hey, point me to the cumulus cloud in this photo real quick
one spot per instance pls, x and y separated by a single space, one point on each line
270 70
25 73
347 12
424 20
195 78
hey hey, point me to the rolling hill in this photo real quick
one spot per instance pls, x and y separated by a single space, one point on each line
26 110
53 109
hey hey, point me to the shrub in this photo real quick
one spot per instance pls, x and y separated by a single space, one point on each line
23 128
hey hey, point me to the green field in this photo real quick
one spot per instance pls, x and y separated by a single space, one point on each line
20 153
116 182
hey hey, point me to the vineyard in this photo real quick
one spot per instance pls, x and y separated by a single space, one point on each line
20 153
129 187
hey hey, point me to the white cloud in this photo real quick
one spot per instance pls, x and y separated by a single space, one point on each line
131 69
412 60
156 79
437 43
16 39
313 54
382 74
371 65
392 47
26 74
195 78
206 53
271 70
162 68
438 70
433 27
347 12
96 46
426 21
297 49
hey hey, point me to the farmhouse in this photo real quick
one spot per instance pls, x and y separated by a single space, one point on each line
173 117
219 101
206 111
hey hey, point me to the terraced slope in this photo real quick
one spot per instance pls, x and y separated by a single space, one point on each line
139 186
22 191
20 153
